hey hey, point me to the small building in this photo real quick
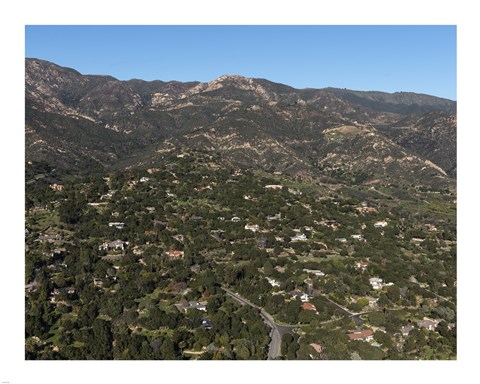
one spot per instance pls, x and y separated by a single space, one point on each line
273 282
206 324
341 239
302 295
428 323
308 307
144 179
116 245
365 334
56 187
316 272
295 192
252 227
317 347
361 265
376 283
277 216
300 237
174 255
235 219
357 237
48 238
406 329
117 225
273 186
380 224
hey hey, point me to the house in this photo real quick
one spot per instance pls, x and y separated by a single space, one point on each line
150 209
317 347
179 237
273 282
235 219
300 237
56 187
341 239
273 186
106 196
308 307
316 272
116 225
428 323
356 237
361 265
206 324
365 334
376 283
252 227
365 209
294 192
277 216
303 296
144 179
174 255
117 245
48 238
405 330
153 170
380 224
194 305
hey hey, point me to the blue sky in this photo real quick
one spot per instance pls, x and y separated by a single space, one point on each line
383 58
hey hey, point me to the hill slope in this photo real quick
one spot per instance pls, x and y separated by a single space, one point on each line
78 121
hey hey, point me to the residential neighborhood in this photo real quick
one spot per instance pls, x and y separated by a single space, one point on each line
146 256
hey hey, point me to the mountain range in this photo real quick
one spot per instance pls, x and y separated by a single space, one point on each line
84 122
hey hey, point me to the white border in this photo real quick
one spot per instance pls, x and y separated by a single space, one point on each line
13 367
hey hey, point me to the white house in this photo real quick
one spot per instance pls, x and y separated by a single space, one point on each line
274 186
376 283
273 282
356 237
316 272
116 225
380 224
252 227
300 237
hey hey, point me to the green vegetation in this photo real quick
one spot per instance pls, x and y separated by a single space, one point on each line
140 276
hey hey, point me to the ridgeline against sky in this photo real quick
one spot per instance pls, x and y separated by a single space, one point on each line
418 59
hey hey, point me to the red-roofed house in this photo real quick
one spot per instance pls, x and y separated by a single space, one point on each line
174 254
366 334
309 307
317 347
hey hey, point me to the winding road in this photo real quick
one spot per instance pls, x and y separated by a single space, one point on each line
277 331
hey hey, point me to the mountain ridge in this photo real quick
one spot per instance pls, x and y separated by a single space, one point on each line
251 122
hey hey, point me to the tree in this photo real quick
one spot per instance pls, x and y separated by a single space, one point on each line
393 293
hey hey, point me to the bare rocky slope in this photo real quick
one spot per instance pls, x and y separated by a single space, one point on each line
77 121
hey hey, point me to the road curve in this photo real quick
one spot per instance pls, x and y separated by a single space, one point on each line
275 334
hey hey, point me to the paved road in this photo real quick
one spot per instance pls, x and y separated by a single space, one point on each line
355 316
277 331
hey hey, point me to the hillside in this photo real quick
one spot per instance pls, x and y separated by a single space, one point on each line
77 121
